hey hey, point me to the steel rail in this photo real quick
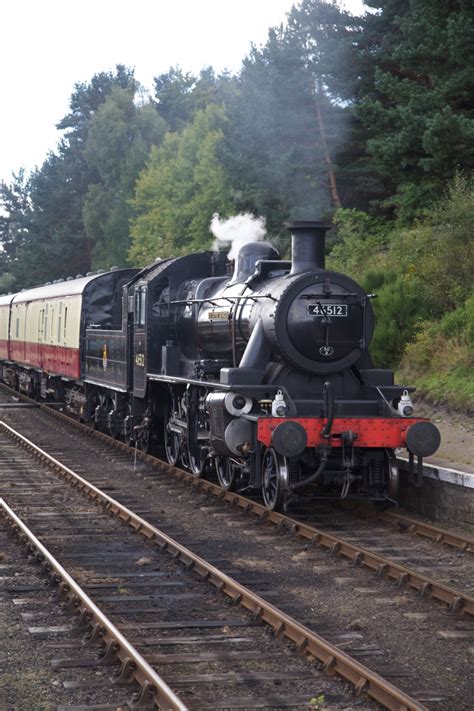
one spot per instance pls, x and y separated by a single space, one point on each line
383 567
134 667
408 524
307 642
427 530
438 535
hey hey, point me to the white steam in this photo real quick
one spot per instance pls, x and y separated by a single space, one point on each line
237 231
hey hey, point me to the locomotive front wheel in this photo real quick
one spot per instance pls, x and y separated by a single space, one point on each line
393 475
275 474
226 472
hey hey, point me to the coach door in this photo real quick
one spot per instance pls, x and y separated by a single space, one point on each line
139 340
41 336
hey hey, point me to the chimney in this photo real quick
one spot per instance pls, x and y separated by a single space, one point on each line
307 245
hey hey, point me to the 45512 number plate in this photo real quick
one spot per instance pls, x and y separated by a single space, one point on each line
327 309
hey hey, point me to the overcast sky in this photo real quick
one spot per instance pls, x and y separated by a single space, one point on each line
49 45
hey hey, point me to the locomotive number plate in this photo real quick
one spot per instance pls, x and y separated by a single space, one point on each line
327 309
219 315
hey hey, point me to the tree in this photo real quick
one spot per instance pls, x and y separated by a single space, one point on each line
120 137
273 148
180 96
89 96
52 238
181 188
418 108
15 217
332 44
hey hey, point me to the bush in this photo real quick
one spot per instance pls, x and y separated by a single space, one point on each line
470 321
423 276
361 241
398 313
440 251
440 360
375 279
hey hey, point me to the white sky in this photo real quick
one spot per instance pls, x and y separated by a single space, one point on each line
49 45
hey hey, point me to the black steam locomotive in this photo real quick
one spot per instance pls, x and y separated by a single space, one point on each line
262 375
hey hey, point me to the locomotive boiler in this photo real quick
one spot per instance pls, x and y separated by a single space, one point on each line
262 375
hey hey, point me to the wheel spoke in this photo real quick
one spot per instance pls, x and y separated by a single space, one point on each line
274 479
226 473
172 443
197 464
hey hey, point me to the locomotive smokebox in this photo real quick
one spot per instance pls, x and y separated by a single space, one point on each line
307 245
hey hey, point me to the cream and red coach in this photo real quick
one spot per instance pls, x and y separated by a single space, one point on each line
42 331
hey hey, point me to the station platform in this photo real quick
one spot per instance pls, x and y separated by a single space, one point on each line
447 492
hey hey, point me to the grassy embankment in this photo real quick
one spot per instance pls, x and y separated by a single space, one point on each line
423 275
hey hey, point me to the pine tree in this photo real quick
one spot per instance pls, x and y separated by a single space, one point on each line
417 97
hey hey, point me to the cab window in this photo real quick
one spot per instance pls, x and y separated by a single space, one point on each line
140 306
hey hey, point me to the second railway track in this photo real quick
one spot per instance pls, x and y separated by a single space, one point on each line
420 646
160 607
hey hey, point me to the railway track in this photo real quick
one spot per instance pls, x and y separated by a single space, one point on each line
92 621
59 520
328 537
451 632
404 523
409 524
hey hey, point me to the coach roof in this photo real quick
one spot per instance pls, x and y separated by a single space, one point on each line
59 290
6 299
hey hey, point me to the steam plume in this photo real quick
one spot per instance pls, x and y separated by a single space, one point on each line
237 231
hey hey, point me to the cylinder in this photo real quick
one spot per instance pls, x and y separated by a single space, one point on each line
307 246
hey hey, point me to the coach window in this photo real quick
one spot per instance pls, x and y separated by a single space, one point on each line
65 322
41 324
17 330
60 311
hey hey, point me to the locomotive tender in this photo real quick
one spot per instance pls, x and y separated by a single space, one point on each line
263 374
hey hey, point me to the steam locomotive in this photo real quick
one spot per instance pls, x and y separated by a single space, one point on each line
262 375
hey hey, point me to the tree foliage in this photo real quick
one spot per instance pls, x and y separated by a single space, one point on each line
183 185
273 150
179 96
15 216
418 106
374 112
119 140
44 235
